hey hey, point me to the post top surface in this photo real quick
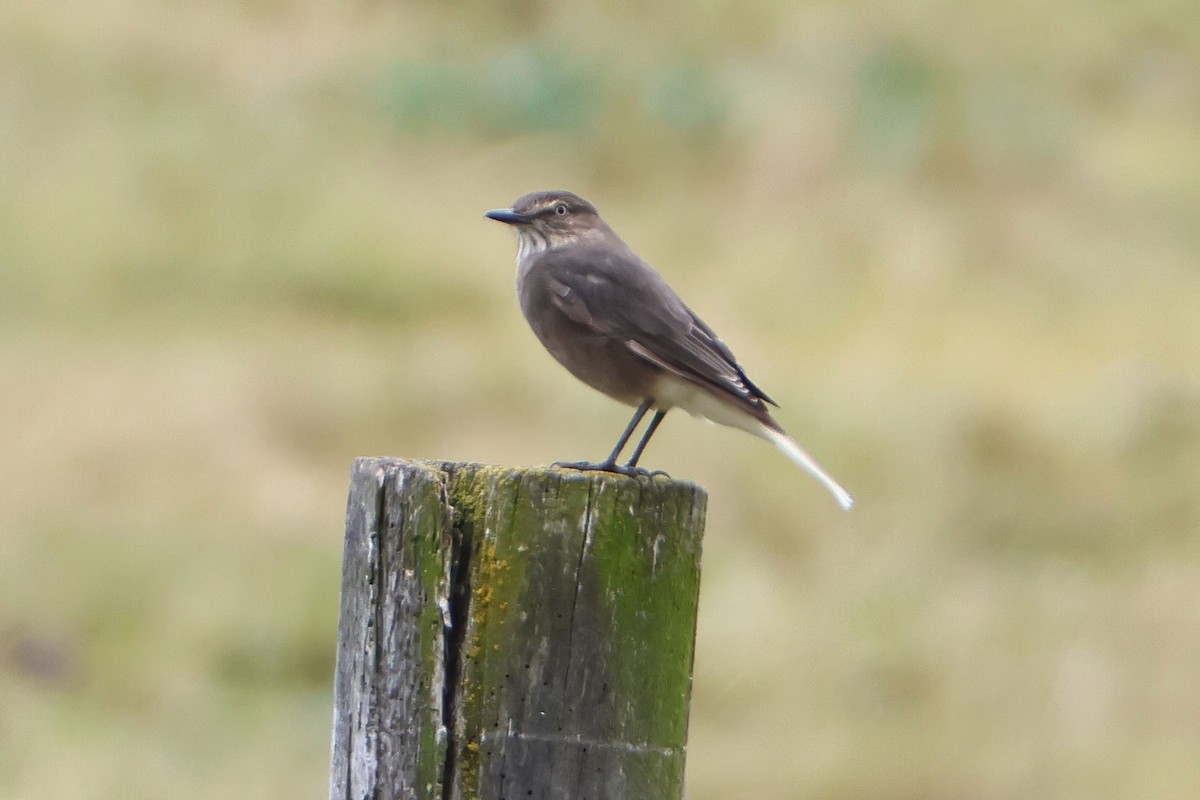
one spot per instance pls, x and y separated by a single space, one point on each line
568 476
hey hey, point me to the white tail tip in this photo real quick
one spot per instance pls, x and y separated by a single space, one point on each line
793 451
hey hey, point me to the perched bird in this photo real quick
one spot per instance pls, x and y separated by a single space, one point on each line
616 325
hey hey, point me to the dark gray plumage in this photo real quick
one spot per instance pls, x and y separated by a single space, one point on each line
615 324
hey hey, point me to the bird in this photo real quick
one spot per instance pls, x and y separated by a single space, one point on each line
616 325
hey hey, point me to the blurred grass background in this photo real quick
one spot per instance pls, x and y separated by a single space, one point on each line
241 243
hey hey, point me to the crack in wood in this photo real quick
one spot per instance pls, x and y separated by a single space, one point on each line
462 537
588 520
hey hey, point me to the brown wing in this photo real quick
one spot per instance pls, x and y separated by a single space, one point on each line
618 295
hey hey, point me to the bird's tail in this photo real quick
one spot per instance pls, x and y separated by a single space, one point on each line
793 451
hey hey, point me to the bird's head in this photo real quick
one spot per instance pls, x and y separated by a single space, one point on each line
547 220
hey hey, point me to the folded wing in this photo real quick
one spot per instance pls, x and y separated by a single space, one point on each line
621 297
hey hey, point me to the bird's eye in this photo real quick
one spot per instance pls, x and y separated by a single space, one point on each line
561 209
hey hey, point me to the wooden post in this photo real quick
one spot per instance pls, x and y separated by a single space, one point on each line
509 634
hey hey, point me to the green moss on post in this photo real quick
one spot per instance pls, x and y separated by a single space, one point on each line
552 654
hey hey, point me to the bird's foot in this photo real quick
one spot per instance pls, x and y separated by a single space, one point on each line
610 466
642 472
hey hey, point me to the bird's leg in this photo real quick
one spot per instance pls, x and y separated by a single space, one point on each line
610 464
629 429
637 452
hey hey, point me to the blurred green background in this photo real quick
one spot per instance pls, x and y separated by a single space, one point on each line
241 243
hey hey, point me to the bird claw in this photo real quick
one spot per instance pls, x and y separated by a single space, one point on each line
579 465
642 472
610 466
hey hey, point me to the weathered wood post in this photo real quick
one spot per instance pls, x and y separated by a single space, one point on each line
509 634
